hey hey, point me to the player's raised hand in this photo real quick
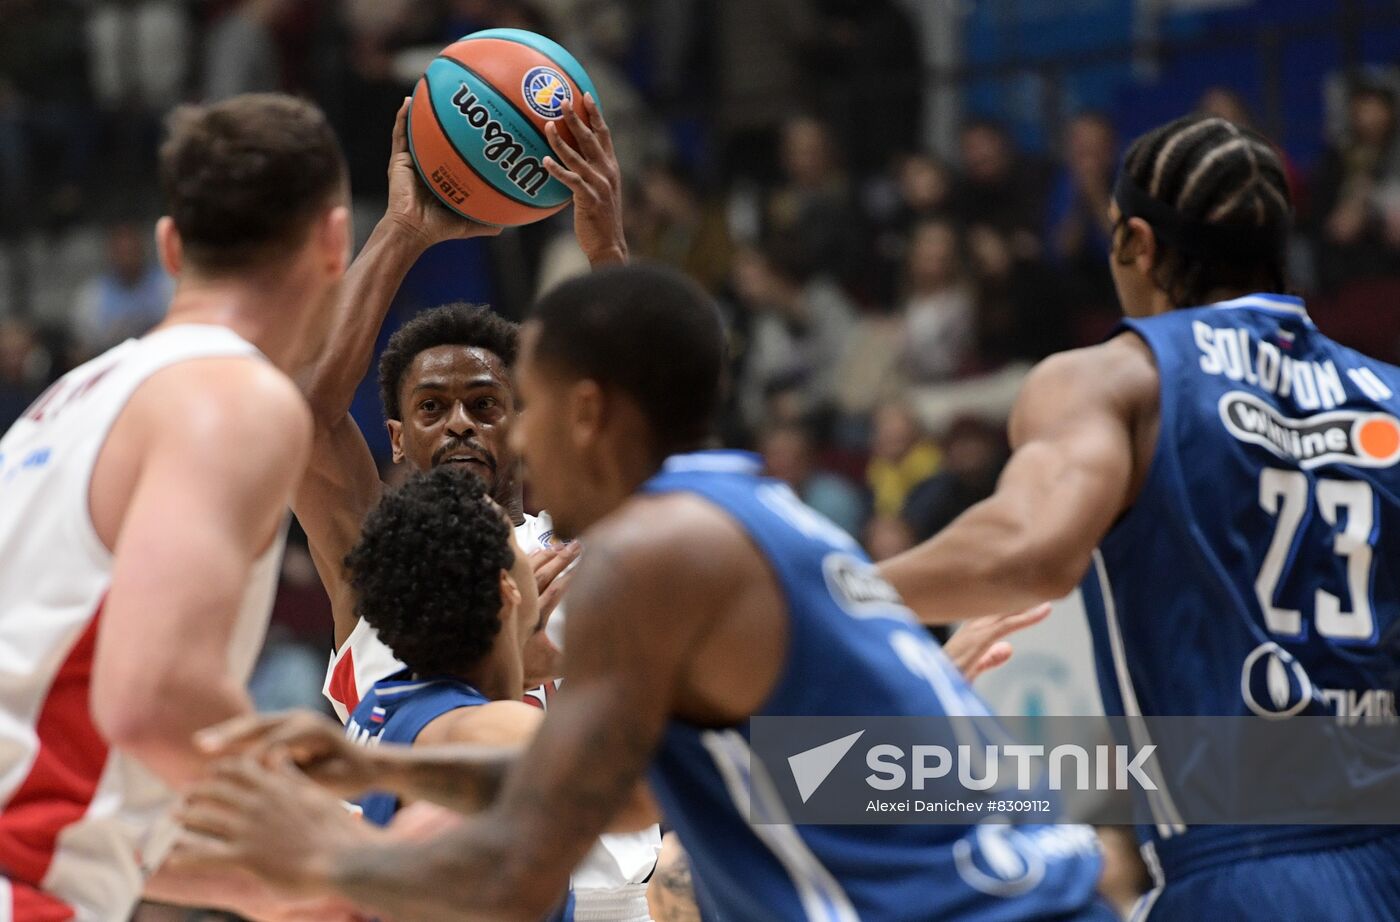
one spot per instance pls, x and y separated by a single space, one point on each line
412 204
267 820
588 166
978 646
314 743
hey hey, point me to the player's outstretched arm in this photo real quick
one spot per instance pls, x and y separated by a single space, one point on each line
1077 438
220 444
342 482
512 861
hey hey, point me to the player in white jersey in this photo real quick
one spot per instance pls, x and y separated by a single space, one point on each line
446 388
142 512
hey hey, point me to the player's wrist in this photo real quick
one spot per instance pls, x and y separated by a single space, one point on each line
406 233
615 254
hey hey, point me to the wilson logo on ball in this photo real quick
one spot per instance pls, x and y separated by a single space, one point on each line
1339 437
545 91
500 146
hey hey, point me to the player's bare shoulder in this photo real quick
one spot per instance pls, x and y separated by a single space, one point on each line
226 400
1118 376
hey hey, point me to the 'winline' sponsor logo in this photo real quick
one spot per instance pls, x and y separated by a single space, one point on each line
1338 437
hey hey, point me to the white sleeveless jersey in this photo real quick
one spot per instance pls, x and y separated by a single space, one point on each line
610 883
80 825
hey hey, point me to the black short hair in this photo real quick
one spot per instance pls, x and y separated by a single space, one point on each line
1212 171
647 331
427 571
457 324
243 178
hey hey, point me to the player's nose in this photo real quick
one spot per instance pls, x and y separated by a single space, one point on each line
459 421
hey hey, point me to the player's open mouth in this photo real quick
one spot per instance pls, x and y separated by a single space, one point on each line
465 460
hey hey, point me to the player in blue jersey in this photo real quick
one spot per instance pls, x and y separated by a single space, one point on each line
1229 479
460 633
702 601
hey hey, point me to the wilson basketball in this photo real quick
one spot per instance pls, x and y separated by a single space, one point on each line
476 124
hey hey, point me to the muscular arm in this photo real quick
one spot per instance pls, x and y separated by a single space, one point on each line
1081 434
221 443
342 481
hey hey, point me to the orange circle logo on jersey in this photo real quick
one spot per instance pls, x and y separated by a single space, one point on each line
1379 438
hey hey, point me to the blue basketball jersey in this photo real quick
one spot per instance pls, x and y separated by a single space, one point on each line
840 664
1254 574
395 711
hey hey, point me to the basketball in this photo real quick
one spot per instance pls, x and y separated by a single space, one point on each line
477 119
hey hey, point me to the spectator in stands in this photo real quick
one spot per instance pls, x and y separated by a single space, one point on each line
799 323
919 188
46 119
812 205
1022 306
901 456
23 370
789 454
887 536
1000 186
973 455
758 69
128 297
937 306
241 53
1356 193
672 223
1079 230
140 52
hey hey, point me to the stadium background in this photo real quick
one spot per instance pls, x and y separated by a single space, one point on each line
899 203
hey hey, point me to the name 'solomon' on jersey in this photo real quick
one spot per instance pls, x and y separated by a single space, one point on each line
1255 573
80 825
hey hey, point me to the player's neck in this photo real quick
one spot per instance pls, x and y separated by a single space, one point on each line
272 321
495 679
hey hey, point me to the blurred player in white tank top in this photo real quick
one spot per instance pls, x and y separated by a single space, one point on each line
448 400
142 516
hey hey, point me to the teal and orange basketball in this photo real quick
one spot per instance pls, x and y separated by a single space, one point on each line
476 124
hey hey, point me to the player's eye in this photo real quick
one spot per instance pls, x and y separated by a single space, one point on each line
487 403
429 406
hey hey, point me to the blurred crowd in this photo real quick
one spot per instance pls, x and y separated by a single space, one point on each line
884 299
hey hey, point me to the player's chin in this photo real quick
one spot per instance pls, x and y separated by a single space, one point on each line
471 466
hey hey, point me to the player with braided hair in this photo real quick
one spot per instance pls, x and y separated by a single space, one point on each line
1227 477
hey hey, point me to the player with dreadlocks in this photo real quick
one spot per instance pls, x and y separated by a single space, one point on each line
1227 477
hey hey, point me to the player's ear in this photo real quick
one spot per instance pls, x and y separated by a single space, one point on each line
1139 245
395 429
510 591
335 235
169 248
586 410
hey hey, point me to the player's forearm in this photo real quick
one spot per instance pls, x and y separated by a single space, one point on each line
965 571
366 292
463 778
482 870
155 723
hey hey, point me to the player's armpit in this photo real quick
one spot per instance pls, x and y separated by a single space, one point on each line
340 487
1077 455
220 443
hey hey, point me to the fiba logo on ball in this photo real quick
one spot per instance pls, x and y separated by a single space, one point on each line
1273 683
545 91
